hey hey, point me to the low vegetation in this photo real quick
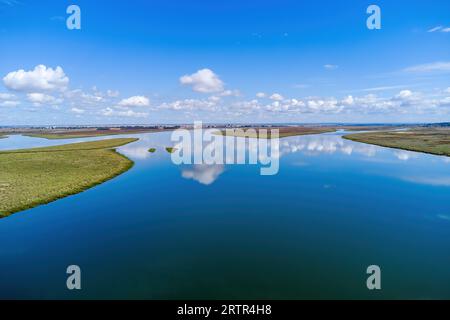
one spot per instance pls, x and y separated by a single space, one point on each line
283 131
72 134
31 177
152 150
428 140
171 149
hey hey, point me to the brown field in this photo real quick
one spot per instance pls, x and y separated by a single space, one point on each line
289 131
71 134
283 131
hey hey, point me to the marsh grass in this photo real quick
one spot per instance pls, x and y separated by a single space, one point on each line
433 141
284 132
72 134
171 149
31 177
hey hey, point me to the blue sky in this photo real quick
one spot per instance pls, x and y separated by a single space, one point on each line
224 61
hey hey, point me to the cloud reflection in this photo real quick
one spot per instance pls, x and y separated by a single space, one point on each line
432 181
328 144
202 173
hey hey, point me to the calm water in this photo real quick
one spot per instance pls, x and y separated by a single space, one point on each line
165 231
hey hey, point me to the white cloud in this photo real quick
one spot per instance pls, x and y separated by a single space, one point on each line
39 79
77 110
9 96
276 97
204 81
192 104
330 66
405 94
135 101
9 103
214 99
440 29
261 95
112 93
447 90
383 88
40 98
435 29
430 67
109 112
228 93
348 100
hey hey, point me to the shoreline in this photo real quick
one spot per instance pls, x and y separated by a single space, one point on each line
75 172
394 141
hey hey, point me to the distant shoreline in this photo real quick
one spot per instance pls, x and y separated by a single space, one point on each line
431 141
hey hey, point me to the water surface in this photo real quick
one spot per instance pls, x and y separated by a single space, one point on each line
224 231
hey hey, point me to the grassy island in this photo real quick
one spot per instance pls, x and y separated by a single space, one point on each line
152 150
428 140
31 177
283 131
171 149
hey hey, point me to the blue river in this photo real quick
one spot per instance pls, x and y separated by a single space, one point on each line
166 231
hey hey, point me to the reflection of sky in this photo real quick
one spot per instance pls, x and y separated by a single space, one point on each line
203 173
324 144
300 152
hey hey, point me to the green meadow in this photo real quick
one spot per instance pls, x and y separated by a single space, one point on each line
433 141
31 177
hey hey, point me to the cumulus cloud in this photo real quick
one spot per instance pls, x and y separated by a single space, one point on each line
405 94
40 78
204 81
404 102
230 93
112 93
192 104
9 96
77 110
135 101
276 97
261 95
40 98
109 112
9 103
348 100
